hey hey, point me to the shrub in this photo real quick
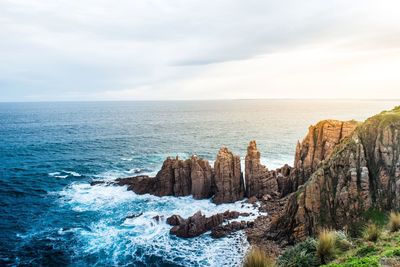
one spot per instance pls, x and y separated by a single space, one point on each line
394 221
366 250
357 262
326 245
257 258
341 241
372 232
301 254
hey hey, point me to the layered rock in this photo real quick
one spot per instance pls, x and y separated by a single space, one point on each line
199 224
202 176
176 178
362 173
319 144
259 180
228 177
316 147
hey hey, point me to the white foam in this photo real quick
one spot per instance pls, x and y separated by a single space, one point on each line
54 173
75 174
84 197
113 233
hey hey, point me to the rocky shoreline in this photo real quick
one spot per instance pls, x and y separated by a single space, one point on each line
341 169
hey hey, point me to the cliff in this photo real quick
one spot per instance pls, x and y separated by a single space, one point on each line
316 147
362 173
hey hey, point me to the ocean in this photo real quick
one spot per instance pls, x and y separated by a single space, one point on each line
50 152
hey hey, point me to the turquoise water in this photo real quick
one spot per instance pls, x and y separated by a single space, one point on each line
49 152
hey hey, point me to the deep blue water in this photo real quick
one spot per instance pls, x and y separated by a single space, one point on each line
49 152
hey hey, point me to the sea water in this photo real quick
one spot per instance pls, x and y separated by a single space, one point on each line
49 153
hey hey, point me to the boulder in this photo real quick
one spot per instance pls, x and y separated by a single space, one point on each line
175 220
198 223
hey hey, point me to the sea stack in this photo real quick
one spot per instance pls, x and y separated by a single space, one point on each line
228 177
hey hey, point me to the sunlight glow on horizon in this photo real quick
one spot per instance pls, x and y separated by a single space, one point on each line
156 50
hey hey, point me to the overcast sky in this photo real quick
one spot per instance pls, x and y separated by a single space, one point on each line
206 49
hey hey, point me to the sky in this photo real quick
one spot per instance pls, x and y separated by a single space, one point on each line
74 50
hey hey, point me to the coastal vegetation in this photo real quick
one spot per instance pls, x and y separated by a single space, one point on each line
337 249
378 245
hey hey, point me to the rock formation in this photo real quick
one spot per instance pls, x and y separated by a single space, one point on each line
259 180
199 224
228 177
229 228
319 144
202 179
176 178
362 173
316 147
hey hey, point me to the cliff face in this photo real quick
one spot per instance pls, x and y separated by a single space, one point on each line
228 177
362 172
317 146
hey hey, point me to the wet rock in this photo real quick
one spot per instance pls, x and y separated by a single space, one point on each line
134 215
199 224
92 183
175 220
158 218
252 200
225 230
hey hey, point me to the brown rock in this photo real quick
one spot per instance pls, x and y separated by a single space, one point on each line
139 184
228 177
198 223
318 145
201 176
259 180
252 200
225 230
175 220
362 173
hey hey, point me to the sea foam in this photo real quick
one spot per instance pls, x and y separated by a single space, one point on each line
144 237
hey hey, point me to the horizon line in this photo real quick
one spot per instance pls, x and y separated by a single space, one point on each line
200 100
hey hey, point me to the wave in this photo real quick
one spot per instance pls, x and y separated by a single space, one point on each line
142 238
64 174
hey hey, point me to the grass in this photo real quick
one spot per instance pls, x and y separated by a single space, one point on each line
372 232
302 254
394 221
326 245
258 258
385 251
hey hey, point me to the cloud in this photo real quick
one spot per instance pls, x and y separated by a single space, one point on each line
90 50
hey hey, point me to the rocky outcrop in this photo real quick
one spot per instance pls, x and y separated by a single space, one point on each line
362 173
176 178
259 180
316 147
225 230
202 176
228 177
319 144
199 224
